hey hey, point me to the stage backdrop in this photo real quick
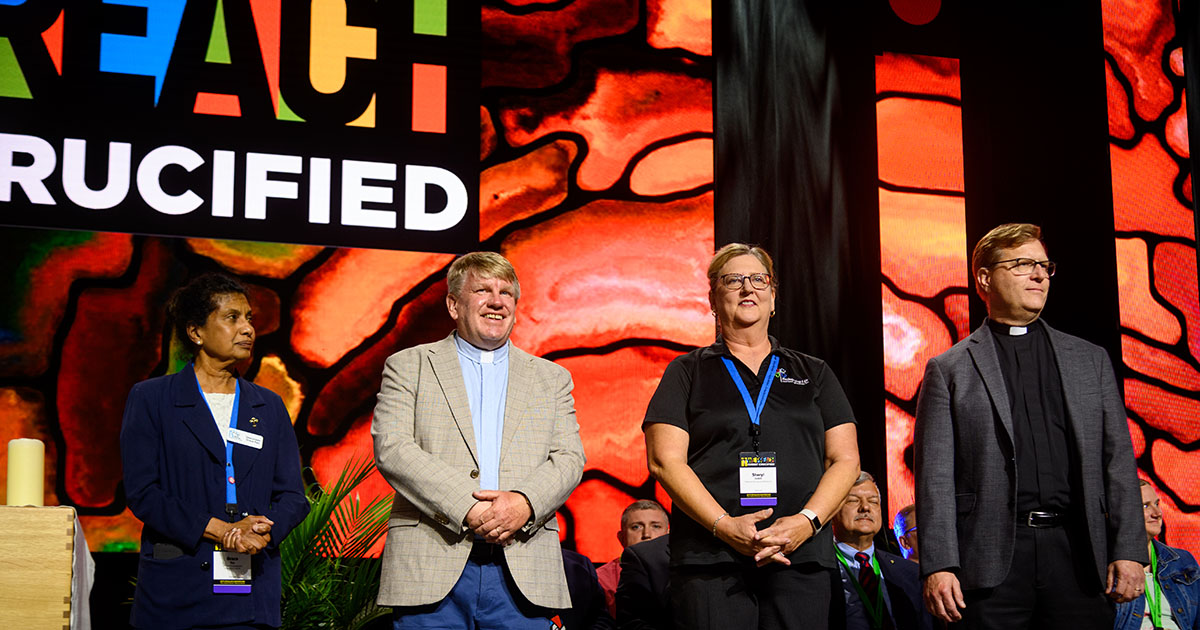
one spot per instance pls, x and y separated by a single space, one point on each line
341 152
580 134
1073 117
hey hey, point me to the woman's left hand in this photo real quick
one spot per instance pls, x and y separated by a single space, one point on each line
781 538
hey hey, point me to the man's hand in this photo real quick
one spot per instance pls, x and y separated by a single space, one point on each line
782 538
507 514
1125 580
739 532
943 596
474 515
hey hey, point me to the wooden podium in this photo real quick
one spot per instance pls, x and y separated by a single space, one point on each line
36 560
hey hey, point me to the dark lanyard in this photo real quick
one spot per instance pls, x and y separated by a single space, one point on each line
1155 601
874 608
753 408
230 479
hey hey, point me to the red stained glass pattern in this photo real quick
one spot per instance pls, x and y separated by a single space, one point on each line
1156 253
922 238
610 249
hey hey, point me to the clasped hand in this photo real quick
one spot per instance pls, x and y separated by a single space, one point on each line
498 515
772 544
249 535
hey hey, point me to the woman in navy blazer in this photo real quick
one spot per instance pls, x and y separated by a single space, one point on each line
173 450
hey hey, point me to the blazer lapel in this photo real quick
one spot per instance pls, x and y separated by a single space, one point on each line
193 410
520 383
983 353
443 356
250 405
1068 359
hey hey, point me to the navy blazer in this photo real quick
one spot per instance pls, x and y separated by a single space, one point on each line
902 580
174 472
642 599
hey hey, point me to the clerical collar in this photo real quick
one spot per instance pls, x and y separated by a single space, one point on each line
1012 331
479 355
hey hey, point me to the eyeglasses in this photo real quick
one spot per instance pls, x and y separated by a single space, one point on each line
1025 266
735 281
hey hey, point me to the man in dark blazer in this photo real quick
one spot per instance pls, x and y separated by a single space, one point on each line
864 568
1025 477
588 610
642 602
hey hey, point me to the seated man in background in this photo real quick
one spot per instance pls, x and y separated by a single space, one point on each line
880 590
641 521
1172 592
905 526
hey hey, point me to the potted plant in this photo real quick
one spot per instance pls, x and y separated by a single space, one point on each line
328 581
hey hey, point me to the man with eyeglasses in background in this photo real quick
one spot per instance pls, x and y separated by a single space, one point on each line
1025 474
905 526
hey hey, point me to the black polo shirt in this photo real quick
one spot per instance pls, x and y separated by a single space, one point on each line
698 395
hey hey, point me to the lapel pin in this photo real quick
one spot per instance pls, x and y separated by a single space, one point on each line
253 421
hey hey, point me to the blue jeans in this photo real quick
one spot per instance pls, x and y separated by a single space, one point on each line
482 599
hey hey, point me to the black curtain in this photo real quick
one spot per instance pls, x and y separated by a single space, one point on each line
795 173
1189 29
796 161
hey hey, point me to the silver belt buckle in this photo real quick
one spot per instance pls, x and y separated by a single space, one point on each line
1033 514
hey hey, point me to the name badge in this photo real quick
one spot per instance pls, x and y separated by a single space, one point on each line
245 438
231 572
757 475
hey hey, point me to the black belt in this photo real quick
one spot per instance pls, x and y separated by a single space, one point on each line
1041 518
486 553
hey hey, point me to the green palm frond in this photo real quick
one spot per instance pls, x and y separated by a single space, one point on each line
328 582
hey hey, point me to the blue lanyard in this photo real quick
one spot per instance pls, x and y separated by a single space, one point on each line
230 479
754 409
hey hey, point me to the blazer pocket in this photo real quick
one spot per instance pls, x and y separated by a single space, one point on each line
166 551
404 518
965 502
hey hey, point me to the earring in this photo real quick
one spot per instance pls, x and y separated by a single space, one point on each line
772 313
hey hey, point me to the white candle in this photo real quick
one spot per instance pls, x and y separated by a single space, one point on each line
26 471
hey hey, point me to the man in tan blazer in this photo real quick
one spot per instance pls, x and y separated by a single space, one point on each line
479 440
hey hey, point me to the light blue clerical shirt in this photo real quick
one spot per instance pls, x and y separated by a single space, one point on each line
485 374
856 617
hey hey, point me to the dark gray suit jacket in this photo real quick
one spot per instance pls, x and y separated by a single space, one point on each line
966 472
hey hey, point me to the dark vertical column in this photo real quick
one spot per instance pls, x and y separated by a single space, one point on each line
1035 139
796 172
1189 28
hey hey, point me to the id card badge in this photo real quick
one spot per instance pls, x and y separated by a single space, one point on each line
231 572
757 475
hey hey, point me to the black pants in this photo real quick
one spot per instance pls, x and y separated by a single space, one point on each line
1051 585
744 597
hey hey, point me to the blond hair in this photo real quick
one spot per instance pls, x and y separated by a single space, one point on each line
728 253
484 265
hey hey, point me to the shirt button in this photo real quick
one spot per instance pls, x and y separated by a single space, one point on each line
474 474
204 565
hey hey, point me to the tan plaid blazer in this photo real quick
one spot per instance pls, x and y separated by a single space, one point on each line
425 448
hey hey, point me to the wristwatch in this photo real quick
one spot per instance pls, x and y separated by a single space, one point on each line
812 519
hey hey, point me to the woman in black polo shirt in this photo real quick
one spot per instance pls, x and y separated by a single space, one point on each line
757 446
